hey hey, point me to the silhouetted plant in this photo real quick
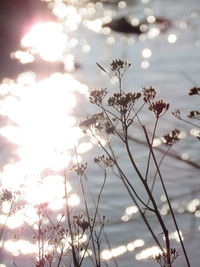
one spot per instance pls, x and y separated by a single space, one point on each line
118 113
13 200
193 114
61 243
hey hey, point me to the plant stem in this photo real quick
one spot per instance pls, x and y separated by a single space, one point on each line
129 187
162 224
75 261
149 156
167 197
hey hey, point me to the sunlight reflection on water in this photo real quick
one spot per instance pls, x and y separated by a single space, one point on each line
148 252
42 121
117 251
45 133
43 128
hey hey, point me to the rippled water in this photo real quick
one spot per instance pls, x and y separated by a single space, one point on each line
169 62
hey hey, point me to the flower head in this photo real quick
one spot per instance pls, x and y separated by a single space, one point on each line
97 123
119 64
123 102
162 258
194 114
106 161
148 94
177 113
79 169
159 107
97 96
172 137
6 195
194 91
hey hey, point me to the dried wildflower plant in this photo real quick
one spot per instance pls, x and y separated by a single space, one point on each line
159 108
79 169
6 195
161 258
97 123
194 91
14 204
60 242
120 114
63 242
148 94
119 66
105 161
172 138
97 96
193 114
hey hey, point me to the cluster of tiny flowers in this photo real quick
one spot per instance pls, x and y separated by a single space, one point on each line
97 96
6 195
80 222
79 169
107 161
89 122
123 102
109 129
99 122
148 94
159 107
194 114
194 91
177 113
162 258
119 64
172 137
52 235
47 232
41 208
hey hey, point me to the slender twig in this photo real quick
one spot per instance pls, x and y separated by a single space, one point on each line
188 122
95 214
75 261
159 217
6 220
149 156
170 154
167 197
155 175
126 183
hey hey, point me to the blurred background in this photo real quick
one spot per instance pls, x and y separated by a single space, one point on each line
48 55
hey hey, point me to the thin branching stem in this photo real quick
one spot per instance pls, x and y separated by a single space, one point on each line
149 156
155 175
75 261
159 217
129 187
110 121
189 122
94 217
6 220
126 180
167 197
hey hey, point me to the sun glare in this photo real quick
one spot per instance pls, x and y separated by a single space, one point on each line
45 133
48 39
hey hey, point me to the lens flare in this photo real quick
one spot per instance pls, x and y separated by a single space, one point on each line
48 39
